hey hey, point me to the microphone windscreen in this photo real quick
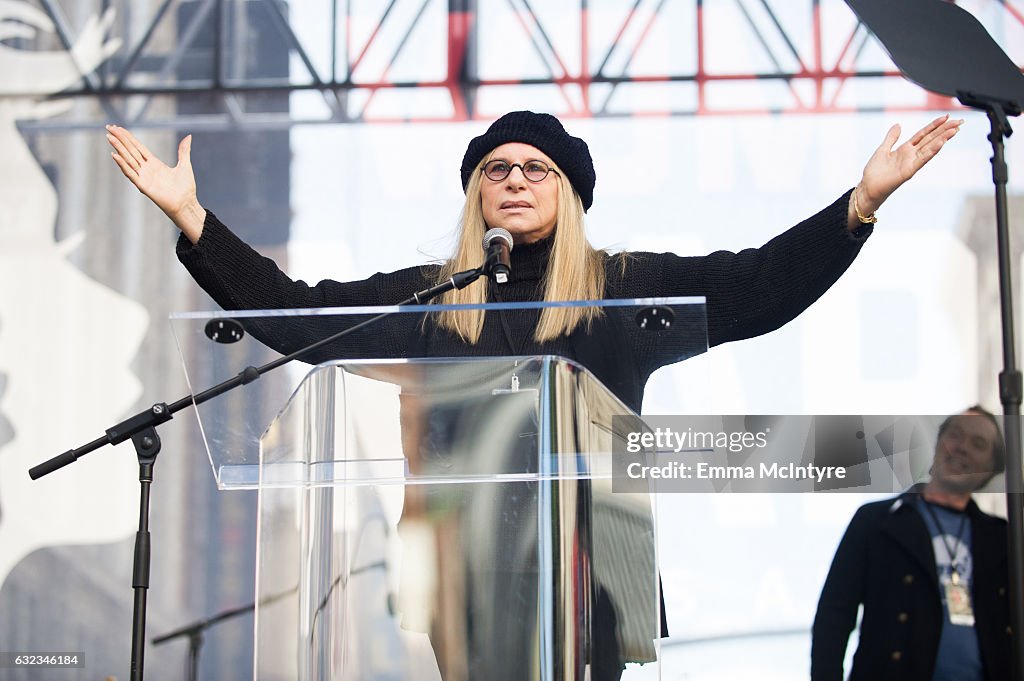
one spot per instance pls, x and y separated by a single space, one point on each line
497 233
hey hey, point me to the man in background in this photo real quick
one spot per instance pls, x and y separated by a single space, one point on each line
929 569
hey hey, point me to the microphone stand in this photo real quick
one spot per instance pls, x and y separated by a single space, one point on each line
141 429
195 630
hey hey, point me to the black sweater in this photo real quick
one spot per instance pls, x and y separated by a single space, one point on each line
748 293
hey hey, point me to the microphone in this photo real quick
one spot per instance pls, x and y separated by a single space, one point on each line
498 245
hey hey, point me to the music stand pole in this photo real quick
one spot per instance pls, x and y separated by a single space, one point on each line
1010 377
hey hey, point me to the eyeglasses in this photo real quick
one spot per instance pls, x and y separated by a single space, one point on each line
534 171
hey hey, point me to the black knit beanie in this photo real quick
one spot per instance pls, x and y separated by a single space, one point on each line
545 132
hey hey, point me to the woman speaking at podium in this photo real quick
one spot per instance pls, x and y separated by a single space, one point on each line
527 175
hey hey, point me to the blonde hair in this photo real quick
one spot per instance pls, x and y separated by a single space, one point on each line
575 269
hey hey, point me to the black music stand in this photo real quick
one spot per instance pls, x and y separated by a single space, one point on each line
945 50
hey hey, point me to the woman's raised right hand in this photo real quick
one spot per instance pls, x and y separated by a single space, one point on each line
173 190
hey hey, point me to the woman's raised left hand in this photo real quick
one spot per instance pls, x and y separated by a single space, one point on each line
890 166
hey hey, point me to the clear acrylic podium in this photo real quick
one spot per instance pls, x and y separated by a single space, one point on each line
436 517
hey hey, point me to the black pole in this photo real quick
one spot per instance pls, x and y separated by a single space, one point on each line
147 445
1009 388
195 642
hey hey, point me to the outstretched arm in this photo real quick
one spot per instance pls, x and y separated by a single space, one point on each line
888 168
173 190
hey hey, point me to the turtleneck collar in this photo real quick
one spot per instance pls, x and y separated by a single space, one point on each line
529 261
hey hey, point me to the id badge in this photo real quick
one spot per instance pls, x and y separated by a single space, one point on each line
958 600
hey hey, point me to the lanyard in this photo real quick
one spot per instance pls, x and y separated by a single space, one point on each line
951 550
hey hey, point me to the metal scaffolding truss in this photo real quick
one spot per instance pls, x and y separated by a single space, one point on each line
270 63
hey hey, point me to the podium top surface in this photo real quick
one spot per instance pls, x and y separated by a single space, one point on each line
361 403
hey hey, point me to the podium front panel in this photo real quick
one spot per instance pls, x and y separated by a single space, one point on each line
442 524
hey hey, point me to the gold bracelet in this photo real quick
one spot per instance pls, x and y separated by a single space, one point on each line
864 219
